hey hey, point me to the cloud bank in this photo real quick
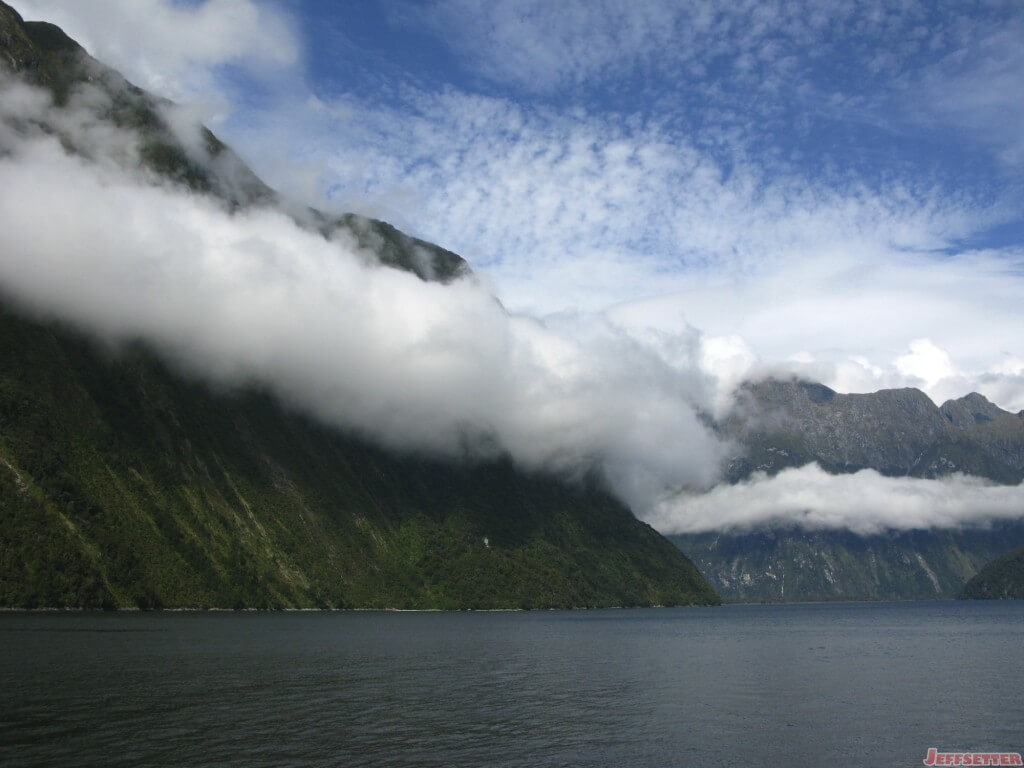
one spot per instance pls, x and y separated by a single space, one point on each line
251 296
865 502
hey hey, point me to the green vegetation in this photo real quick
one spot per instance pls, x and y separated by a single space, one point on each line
1000 579
789 564
123 484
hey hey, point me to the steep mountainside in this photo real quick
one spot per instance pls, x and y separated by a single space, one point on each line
41 54
788 423
792 565
1001 579
123 483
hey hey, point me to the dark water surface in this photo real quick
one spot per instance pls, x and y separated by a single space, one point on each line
797 685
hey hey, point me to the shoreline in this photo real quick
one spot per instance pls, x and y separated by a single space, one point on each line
136 609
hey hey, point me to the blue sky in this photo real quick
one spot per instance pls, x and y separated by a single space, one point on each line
852 93
832 188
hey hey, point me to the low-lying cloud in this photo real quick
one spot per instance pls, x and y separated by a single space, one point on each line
865 502
251 296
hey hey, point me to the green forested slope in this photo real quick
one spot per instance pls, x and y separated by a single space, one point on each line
1000 579
123 484
790 564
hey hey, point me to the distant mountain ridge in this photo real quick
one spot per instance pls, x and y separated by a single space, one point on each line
126 484
898 432
779 424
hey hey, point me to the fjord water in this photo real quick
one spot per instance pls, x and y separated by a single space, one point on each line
799 685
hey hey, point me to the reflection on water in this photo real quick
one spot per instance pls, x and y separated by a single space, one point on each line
738 685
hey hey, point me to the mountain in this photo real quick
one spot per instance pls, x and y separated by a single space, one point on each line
791 564
1000 579
125 483
898 432
779 424
41 54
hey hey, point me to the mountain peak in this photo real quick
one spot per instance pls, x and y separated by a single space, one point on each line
970 410
42 54
51 37
792 391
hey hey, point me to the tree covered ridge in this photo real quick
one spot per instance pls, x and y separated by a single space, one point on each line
1000 579
124 484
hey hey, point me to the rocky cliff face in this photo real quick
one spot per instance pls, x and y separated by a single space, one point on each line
898 432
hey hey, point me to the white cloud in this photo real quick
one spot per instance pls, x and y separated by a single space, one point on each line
925 363
251 296
174 49
613 207
856 319
540 46
865 503
885 66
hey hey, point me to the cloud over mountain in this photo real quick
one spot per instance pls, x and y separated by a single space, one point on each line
865 502
178 50
251 296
